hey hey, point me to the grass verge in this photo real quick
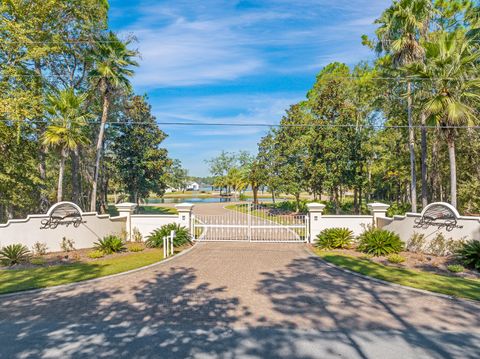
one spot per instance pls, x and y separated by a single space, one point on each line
13 280
457 287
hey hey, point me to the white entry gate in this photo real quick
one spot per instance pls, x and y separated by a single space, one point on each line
249 222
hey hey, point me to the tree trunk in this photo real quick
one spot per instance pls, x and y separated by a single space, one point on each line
76 178
61 170
255 194
453 169
273 197
355 200
411 145
297 202
424 162
101 133
436 181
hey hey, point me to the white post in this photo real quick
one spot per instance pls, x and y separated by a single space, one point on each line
126 210
185 215
379 210
165 244
172 236
315 211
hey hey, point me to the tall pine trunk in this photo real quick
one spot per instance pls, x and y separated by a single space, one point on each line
101 134
411 145
61 171
424 162
453 169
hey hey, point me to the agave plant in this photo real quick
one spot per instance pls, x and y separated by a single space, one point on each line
110 244
182 235
14 254
469 254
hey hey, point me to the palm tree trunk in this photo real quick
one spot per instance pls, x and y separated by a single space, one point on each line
61 170
411 145
424 162
255 194
76 179
101 134
453 169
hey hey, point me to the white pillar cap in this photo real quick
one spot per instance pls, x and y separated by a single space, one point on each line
184 207
378 207
315 207
127 206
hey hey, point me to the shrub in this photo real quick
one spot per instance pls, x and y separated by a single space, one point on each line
396 258
379 242
136 235
135 247
455 268
95 254
469 254
155 239
38 261
438 245
416 243
110 244
14 254
332 238
67 245
39 249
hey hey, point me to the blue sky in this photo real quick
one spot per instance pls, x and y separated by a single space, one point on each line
235 62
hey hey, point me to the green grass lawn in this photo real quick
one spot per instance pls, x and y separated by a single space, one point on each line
23 279
454 286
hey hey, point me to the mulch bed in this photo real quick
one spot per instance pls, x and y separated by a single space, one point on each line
417 261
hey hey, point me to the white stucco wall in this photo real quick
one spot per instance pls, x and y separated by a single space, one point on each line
146 223
405 227
356 224
27 231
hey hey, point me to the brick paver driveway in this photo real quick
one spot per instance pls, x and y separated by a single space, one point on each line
238 300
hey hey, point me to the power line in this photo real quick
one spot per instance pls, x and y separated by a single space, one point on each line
225 124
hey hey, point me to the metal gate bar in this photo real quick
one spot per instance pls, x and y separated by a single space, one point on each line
254 223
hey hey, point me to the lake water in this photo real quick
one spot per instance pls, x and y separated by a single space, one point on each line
200 200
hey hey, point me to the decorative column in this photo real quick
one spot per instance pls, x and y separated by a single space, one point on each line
126 210
315 211
185 215
379 210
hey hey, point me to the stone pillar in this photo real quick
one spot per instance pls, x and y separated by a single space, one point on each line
126 210
379 210
315 211
185 215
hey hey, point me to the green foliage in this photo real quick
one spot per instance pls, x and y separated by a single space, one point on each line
38 261
140 160
398 209
39 248
135 247
155 239
67 245
333 238
396 258
416 243
14 254
469 254
96 254
455 268
379 242
110 244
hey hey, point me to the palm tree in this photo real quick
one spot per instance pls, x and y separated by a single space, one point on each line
403 25
113 62
66 131
451 66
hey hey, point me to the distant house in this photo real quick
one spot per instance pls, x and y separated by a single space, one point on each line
193 186
170 189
